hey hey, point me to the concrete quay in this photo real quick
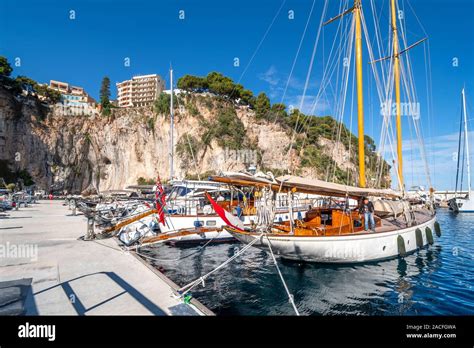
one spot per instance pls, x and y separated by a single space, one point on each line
45 269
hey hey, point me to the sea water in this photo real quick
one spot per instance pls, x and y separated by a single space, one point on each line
436 280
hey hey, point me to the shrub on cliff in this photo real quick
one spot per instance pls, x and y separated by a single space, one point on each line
162 104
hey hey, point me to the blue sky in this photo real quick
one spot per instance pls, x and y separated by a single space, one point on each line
104 33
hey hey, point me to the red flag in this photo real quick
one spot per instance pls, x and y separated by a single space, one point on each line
160 200
228 218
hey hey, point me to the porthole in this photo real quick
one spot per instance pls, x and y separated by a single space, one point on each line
383 249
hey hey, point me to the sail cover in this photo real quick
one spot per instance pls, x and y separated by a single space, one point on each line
304 185
308 185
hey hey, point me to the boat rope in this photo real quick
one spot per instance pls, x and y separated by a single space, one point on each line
185 289
137 251
290 296
290 76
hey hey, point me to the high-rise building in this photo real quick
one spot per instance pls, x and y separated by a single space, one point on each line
140 90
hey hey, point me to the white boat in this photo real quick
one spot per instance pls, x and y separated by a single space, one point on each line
335 234
187 208
341 238
463 204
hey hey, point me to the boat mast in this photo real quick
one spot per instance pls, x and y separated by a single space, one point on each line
171 126
466 139
360 95
396 77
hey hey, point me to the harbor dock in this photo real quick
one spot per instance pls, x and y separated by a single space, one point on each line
51 271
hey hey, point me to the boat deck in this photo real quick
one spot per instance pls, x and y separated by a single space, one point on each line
392 224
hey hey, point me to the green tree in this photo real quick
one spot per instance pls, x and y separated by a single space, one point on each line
50 94
193 83
247 97
262 106
105 95
220 84
5 68
26 83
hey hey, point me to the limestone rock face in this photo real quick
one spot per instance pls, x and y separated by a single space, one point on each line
77 153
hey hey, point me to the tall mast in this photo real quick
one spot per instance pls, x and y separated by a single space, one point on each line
360 94
466 139
171 126
396 77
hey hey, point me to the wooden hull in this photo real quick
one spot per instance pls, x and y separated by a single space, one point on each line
349 248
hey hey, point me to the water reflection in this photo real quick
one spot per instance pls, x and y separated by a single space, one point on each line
430 281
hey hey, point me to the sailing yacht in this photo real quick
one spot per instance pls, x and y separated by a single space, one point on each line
334 233
463 204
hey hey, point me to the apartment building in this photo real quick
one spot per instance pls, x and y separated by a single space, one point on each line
72 95
139 91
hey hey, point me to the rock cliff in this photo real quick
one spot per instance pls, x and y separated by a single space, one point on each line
94 152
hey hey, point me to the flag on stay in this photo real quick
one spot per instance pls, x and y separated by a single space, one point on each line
228 218
160 200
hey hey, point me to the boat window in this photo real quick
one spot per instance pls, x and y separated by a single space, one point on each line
211 223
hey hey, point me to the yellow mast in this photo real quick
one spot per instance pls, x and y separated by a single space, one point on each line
360 95
396 76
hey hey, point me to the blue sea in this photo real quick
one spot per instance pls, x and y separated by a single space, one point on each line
437 280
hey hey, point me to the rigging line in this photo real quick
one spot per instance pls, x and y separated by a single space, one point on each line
331 68
462 163
326 77
201 279
259 45
416 122
344 88
308 74
297 53
312 57
349 135
340 94
290 296
459 152
307 80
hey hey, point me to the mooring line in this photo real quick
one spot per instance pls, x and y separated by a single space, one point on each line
201 279
290 296
179 258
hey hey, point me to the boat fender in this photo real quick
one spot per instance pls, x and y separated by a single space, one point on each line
401 246
419 238
300 217
429 235
437 228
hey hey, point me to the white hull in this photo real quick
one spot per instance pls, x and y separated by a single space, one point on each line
343 249
177 222
465 205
